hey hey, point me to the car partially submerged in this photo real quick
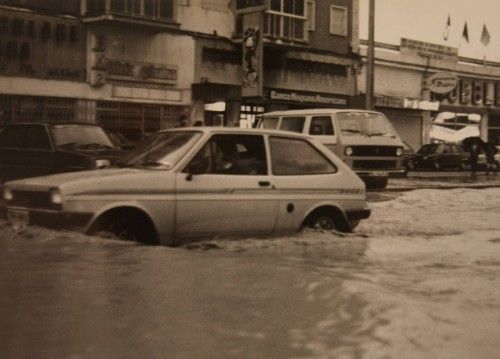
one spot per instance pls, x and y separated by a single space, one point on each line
199 182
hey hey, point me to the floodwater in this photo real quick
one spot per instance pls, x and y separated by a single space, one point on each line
419 279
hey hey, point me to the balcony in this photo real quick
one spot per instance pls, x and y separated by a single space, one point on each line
150 14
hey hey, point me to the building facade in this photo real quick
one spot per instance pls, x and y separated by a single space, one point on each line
137 66
430 93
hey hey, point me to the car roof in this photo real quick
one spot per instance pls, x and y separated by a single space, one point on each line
319 111
238 130
51 123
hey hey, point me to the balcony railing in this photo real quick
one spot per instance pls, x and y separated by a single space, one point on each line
286 27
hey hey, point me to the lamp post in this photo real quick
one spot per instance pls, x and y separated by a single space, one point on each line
370 57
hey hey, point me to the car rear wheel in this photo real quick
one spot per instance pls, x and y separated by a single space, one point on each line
329 219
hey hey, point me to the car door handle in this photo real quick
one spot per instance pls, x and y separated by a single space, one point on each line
264 183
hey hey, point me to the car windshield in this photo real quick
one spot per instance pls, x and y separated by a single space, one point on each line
81 136
364 123
428 149
162 150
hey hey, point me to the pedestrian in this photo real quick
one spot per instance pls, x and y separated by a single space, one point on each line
182 121
490 150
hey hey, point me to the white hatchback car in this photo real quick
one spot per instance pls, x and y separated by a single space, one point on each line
199 182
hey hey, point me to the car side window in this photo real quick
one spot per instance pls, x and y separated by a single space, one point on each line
297 157
321 125
37 138
13 137
231 154
294 124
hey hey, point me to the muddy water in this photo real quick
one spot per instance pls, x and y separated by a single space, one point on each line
66 295
420 279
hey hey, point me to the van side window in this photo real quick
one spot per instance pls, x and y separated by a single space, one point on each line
270 123
297 157
321 125
294 124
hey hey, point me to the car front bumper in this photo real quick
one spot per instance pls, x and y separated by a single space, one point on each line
47 218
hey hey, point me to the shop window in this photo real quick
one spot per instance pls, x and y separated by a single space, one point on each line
60 32
17 27
46 30
338 20
24 51
465 91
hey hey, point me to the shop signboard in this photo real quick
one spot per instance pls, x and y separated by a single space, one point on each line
306 98
441 82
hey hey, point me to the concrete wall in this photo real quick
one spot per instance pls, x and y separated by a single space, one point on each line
206 16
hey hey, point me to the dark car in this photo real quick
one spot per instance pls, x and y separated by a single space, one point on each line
438 156
35 149
408 154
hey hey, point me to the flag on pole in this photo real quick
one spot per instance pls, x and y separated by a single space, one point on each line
485 36
465 33
446 31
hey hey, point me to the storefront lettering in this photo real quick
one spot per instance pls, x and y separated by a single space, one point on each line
119 69
310 98
442 82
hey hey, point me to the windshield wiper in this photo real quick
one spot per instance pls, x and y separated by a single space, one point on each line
155 164
95 145
381 134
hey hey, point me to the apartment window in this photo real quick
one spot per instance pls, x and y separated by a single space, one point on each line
311 15
338 20
286 19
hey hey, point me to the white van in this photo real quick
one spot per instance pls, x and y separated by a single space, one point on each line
364 140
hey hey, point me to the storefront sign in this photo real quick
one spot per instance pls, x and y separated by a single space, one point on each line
144 72
441 82
387 101
427 49
322 99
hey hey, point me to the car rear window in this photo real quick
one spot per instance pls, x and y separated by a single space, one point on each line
297 157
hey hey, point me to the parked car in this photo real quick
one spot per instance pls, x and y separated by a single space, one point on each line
408 154
364 140
438 156
197 182
121 141
35 149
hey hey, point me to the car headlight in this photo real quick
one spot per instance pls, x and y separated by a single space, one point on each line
399 151
7 194
348 151
101 163
55 196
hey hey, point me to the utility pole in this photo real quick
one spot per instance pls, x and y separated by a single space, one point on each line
370 57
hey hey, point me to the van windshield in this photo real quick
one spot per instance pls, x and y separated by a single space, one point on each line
364 123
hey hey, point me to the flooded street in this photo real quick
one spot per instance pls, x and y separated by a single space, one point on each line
419 279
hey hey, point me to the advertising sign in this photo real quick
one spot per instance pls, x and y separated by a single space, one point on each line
251 83
441 82
304 97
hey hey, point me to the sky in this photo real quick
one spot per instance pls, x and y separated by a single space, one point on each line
425 20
